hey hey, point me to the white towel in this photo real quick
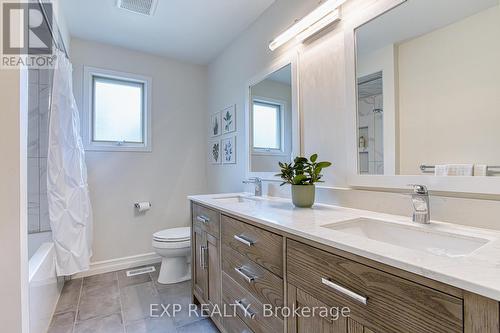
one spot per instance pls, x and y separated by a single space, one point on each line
480 170
460 169
454 170
441 170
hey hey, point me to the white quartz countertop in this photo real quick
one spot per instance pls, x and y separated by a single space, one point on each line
477 272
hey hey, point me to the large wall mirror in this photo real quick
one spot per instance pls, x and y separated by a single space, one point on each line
272 119
428 90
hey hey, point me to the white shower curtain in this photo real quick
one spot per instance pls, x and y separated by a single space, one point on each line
67 189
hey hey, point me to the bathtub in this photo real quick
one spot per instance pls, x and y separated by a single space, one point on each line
36 240
44 286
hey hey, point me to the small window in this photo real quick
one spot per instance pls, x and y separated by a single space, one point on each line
118 112
267 126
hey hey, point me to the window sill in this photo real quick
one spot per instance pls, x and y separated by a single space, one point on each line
118 148
268 153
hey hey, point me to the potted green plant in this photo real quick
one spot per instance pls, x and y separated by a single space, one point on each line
302 174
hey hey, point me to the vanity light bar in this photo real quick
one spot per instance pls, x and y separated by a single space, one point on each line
320 25
315 20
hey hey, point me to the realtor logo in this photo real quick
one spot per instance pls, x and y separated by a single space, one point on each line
26 37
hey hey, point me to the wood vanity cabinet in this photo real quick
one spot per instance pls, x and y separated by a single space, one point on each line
239 261
319 324
205 245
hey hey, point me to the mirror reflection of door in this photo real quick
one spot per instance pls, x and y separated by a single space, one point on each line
271 121
371 124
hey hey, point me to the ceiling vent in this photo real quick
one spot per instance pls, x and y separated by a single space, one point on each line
145 7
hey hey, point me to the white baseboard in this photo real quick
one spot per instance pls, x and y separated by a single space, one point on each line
105 266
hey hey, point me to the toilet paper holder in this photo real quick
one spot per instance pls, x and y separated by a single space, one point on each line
138 204
142 206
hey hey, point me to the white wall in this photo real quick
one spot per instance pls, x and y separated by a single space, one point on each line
450 114
13 199
175 168
322 104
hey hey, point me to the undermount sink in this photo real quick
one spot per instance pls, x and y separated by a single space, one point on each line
437 243
235 199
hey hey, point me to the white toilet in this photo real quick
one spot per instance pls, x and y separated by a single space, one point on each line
174 246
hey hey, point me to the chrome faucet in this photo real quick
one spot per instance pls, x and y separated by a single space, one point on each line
421 206
258 185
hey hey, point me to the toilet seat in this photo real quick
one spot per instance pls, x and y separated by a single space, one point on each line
174 235
171 245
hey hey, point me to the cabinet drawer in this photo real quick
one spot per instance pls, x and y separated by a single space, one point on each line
265 286
260 246
393 304
233 324
207 219
254 318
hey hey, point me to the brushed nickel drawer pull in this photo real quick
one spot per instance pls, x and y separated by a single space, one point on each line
244 240
243 308
203 257
344 291
203 219
240 271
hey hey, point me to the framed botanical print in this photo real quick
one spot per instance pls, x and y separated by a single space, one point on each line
229 119
215 156
228 150
215 124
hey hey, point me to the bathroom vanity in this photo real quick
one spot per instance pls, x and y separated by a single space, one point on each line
251 251
406 64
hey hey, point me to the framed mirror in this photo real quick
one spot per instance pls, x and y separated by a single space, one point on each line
426 96
272 119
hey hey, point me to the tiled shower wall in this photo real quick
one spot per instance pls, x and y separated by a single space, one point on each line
372 157
38 135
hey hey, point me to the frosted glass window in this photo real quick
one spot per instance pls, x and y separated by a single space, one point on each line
266 126
118 111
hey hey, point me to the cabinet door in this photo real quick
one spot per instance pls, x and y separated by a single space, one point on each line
355 327
213 269
318 323
200 262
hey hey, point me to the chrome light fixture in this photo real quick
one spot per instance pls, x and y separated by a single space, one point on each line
325 14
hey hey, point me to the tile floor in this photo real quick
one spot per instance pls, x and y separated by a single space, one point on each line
113 302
